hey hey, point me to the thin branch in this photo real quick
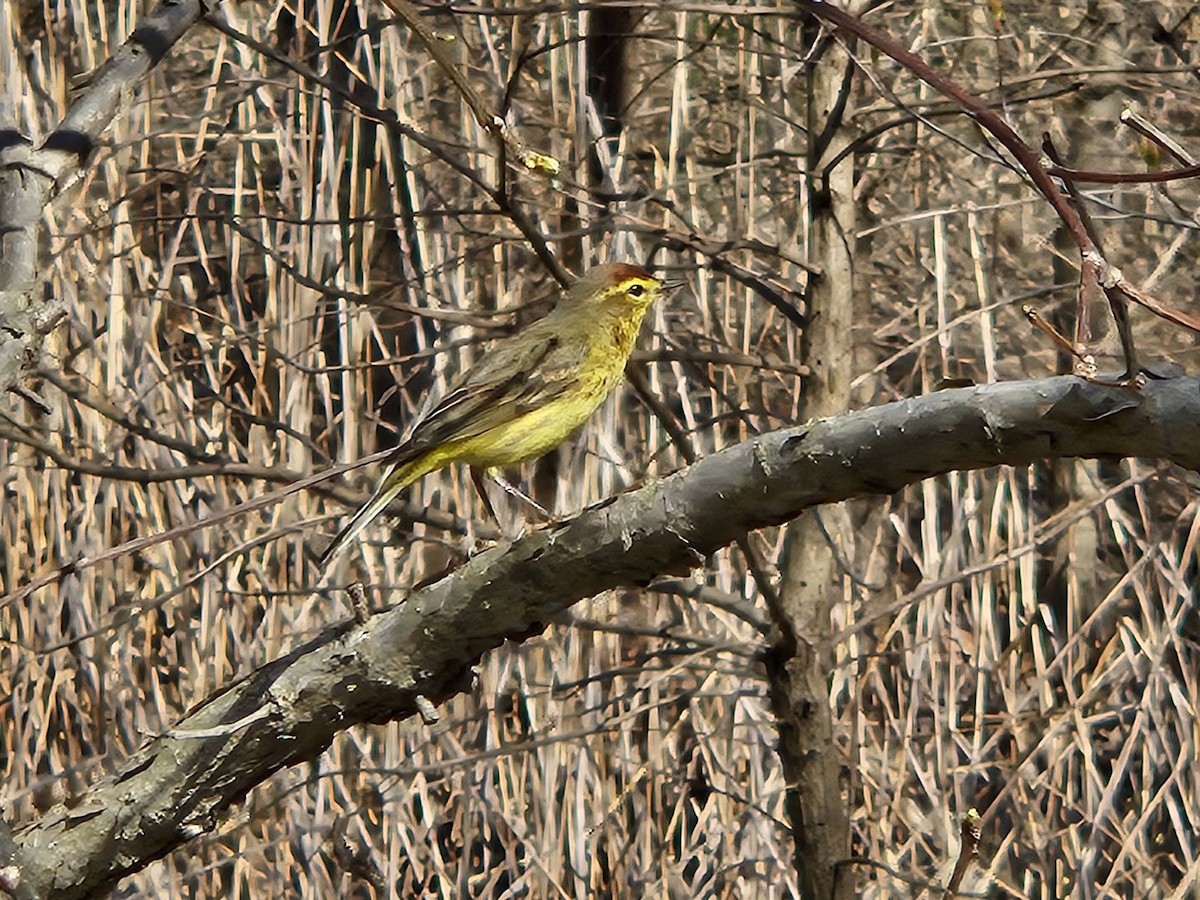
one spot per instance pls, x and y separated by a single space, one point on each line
1088 176
150 540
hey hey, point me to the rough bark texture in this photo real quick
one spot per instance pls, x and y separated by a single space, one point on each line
799 672
29 179
177 785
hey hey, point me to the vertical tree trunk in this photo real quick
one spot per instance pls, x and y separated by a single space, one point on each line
816 802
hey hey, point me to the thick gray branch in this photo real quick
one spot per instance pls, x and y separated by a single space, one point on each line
29 178
290 710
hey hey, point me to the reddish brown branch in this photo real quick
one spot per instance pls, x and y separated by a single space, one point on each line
988 119
1095 270
1086 176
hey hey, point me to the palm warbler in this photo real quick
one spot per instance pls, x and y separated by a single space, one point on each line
529 393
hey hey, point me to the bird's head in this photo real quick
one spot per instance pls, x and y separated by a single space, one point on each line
616 287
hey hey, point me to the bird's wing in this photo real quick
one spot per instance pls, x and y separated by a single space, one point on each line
516 376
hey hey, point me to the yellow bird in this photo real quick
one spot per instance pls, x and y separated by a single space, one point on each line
529 393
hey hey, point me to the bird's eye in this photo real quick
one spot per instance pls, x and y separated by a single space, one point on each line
635 290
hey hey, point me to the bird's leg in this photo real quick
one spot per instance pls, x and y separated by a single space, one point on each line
519 494
477 476
509 488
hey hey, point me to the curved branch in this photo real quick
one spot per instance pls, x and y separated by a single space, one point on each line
390 666
30 177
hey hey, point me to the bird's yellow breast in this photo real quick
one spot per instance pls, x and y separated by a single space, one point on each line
539 431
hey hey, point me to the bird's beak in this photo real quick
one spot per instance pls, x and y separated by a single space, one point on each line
669 287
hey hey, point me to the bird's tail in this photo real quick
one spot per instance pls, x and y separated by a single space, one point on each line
401 476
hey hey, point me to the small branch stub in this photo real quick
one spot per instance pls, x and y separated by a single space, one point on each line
429 713
967 854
